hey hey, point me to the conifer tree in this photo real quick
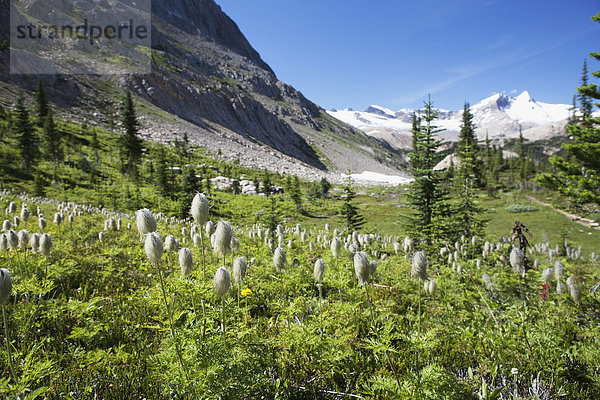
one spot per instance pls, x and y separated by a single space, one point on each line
577 174
466 211
131 143
354 220
522 158
51 139
295 192
41 104
427 196
467 137
584 99
267 185
27 139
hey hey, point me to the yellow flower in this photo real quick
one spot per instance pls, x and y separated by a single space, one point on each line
246 292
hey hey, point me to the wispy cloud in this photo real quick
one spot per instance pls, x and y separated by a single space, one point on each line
459 74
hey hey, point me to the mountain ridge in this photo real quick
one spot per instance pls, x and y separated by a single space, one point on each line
500 116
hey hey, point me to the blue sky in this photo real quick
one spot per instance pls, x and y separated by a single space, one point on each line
354 53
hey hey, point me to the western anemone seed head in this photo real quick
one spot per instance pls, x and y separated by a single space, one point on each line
336 247
12 207
279 259
547 275
119 224
171 244
101 236
408 245
361 267
23 237
291 244
319 270
327 227
575 293
129 226
459 269
280 241
5 285
419 266
185 261
24 214
3 242
311 247
517 260
197 240
270 243
559 270
223 236
184 231
560 288
221 282
34 242
16 221
45 244
57 218
570 281
235 244
279 230
209 227
199 209
6 225
432 287
536 264
372 267
145 221
13 239
352 248
478 263
487 282
194 230
397 247
239 270
153 247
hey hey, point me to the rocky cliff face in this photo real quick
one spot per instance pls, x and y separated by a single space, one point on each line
209 82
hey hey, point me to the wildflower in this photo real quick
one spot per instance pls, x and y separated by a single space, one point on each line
246 292
185 261
419 266
361 267
239 270
221 282
5 285
199 209
145 221
153 247
279 259
319 270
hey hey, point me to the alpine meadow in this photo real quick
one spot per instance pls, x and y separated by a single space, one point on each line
204 231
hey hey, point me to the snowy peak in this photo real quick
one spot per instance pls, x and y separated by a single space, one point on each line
499 115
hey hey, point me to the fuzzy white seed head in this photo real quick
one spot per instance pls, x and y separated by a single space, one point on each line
58 218
209 228
129 226
145 221
101 236
279 259
6 225
199 209
291 244
559 270
221 282
336 247
171 244
361 267
372 267
432 287
319 270
547 275
45 244
13 239
517 260
223 235
235 244
153 247
239 270
16 221
23 237
12 207
197 240
560 287
570 281
3 242
575 293
34 242
24 214
185 261
5 285
311 247
419 266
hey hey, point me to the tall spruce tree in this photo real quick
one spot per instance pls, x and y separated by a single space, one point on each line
27 139
465 216
41 104
354 219
131 143
468 138
427 196
577 174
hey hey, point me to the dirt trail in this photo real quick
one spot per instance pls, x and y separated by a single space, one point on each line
590 223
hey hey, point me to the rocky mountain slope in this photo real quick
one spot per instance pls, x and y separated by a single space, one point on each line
498 116
208 82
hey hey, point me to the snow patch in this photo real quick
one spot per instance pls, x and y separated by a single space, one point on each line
375 177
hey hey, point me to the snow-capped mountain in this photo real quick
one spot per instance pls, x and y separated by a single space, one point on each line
499 115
